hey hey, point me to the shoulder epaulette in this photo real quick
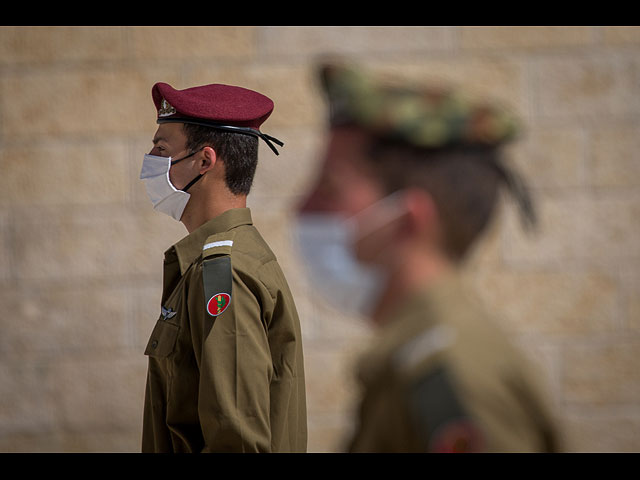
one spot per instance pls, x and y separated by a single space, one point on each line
218 244
423 347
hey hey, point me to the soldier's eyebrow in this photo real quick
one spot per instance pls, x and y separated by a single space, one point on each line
158 139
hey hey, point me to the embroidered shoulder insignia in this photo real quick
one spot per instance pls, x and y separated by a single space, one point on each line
218 304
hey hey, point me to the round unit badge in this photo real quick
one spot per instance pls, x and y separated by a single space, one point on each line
218 304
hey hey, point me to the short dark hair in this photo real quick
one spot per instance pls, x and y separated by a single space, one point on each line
463 182
238 152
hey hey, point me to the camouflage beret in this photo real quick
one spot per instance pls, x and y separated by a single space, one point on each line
424 117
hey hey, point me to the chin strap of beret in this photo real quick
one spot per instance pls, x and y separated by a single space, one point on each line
517 187
268 139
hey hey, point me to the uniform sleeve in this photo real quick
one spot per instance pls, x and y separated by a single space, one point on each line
442 422
232 351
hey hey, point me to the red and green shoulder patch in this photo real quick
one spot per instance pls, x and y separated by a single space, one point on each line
218 304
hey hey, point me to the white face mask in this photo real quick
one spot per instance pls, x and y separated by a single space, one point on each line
164 196
326 242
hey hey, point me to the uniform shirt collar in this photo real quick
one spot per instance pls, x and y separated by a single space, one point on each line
190 247
422 309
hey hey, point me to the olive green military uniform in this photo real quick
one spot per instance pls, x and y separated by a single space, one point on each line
225 357
442 377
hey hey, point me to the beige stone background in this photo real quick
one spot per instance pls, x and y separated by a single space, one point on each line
81 248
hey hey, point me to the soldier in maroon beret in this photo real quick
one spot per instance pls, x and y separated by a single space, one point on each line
226 369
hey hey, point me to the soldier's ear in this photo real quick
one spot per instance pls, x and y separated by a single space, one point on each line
209 159
422 210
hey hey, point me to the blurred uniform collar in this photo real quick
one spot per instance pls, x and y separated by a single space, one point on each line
421 313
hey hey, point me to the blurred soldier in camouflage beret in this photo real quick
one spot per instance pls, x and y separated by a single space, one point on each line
433 118
409 182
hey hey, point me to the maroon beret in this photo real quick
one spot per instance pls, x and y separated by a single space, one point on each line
223 107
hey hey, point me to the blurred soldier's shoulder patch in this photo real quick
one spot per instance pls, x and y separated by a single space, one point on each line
440 417
460 436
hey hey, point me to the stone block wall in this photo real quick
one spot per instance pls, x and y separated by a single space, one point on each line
81 248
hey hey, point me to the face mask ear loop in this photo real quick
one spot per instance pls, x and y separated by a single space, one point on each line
190 184
173 162
391 212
